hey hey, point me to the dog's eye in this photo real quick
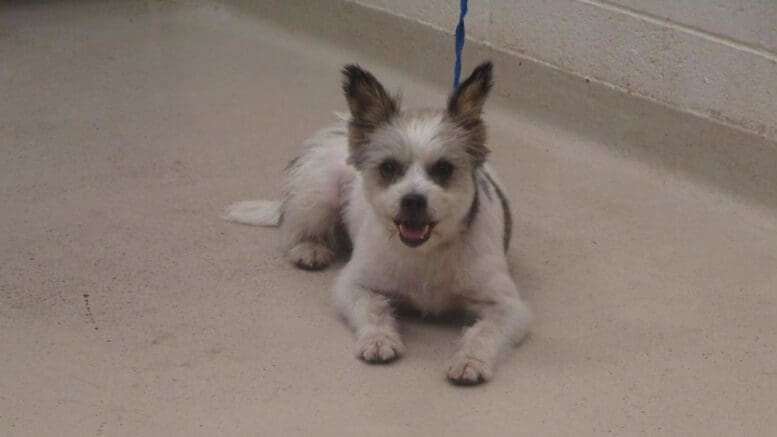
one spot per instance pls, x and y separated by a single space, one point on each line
441 171
388 169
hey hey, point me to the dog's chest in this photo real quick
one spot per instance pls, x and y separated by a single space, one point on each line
428 286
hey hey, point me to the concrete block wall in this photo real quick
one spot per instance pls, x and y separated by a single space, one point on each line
713 58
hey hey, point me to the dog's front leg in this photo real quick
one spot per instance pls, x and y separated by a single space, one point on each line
503 319
372 319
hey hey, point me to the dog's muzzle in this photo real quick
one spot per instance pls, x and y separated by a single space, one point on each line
413 222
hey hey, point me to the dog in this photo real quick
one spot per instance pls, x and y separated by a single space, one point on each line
410 195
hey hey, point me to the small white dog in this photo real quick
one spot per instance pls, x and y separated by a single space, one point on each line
410 191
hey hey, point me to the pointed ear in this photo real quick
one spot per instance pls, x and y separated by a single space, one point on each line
466 103
465 106
369 102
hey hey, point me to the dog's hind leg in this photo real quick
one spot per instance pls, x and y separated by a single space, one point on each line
313 192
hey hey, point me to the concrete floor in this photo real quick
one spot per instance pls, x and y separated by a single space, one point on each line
128 308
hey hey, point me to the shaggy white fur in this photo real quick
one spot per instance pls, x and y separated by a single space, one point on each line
424 213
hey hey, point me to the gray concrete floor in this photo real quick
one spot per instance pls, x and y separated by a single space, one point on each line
128 308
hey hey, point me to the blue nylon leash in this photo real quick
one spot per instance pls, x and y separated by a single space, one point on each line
459 44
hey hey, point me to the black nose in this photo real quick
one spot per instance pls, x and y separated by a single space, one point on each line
413 203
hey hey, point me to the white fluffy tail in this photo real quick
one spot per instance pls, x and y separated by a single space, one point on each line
254 212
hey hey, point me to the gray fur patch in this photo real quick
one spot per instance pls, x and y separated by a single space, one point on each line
293 163
474 206
508 217
483 184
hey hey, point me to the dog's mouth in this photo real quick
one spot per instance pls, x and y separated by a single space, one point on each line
414 233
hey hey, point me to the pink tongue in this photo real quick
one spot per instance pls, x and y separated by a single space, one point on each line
412 233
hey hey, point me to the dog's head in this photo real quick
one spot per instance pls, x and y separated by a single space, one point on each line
418 166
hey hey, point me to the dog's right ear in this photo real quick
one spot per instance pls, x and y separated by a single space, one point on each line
368 101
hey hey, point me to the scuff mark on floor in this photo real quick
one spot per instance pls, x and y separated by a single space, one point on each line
89 314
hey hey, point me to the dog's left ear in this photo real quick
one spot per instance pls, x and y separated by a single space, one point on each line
465 107
468 99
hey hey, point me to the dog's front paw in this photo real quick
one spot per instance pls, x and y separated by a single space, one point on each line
379 347
310 256
468 370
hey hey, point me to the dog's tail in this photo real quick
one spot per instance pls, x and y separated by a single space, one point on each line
255 212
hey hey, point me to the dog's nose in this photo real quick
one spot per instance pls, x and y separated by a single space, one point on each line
413 203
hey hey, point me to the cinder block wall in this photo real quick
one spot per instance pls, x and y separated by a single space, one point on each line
714 58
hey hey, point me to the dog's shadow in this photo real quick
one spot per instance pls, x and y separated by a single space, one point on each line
450 320
430 337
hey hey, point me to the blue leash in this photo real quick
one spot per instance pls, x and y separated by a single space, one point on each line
459 44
